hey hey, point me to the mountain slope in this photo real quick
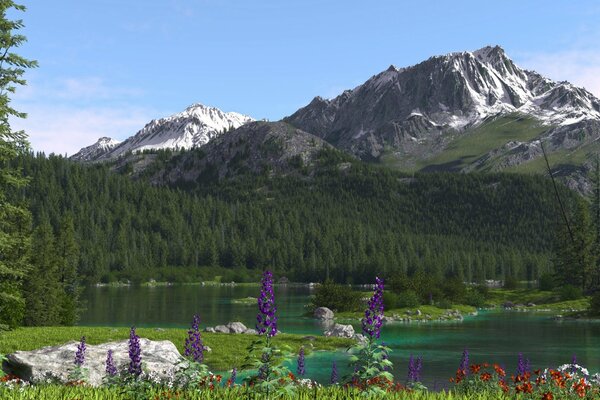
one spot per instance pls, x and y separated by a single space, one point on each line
193 127
413 116
96 150
254 148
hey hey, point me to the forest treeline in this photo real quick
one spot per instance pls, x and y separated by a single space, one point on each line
347 225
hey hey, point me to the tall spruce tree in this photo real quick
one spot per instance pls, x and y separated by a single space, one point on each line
15 219
67 252
42 288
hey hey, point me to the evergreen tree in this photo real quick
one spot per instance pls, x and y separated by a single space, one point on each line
14 218
68 259
575 260
42 287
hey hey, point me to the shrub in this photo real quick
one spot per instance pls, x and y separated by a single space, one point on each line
595 304
474 298
546 282
570 292
408 298
444 303
510 283
390 300
336 297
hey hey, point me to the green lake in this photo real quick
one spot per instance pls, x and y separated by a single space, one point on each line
491 336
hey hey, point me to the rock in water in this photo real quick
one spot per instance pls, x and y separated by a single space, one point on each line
323 313
54 363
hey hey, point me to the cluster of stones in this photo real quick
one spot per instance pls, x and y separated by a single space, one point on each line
232 327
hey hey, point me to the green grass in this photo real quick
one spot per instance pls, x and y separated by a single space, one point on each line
545 301
469 146
434 312
228 350
52 392
560 157
246 301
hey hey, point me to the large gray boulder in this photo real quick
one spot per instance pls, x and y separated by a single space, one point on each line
221 329
55 363
323 313
236 327
340 330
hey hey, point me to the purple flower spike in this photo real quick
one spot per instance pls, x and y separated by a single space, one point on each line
300 371
522 365
464 361
194 348
80 354
373 319
111 369
334 373
135 353
233 377
266 321
414 369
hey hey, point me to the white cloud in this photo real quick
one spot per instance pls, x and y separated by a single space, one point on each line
580 67
61 129
66 114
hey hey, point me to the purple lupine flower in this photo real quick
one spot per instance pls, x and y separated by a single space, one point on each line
232 378
111 369
522 365
194 348
418 368
334 373
80 354
411 369
464 361
573 363
135 353
373 319
301 370
414 369
266 321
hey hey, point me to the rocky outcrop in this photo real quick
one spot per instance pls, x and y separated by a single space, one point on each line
231 327
344 331
323 313
55 363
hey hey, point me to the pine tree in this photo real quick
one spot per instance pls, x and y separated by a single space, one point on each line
15 220
68 260
42 287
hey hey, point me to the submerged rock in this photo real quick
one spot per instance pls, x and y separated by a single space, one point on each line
55 363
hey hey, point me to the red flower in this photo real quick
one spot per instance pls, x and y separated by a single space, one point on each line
548 396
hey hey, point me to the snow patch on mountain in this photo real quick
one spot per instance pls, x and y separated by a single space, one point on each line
92 152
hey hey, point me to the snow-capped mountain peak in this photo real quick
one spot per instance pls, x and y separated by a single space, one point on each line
193 127
92 152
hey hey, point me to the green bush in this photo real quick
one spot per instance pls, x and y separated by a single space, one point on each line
390 300
336 297
570 292
510 283
474 298
408 298
444 303
546 282
595 304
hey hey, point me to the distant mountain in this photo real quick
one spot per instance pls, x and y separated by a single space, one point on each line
193 127
96 150
255 148
461 112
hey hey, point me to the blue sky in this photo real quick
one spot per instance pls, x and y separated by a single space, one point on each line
109 66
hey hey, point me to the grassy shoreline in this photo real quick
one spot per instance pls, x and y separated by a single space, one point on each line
227 350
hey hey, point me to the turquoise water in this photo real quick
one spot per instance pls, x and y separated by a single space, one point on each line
492 336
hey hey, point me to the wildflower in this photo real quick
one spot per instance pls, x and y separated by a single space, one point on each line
193 343
334 373
548 396
464 361
231 380
135 353
373 319
414 369
266 321
523 365
300 370
80 354
111 369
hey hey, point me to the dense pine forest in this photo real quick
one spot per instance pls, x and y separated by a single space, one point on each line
344 224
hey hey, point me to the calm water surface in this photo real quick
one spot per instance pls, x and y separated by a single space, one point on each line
492 336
